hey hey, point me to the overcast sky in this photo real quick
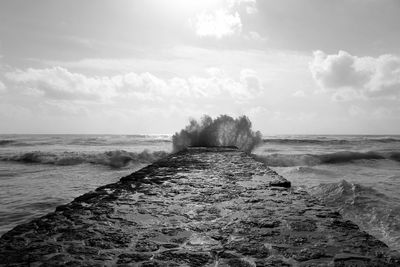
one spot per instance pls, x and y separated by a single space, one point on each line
126 66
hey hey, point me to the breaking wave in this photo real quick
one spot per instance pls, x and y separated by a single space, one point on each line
304 141
114 159
11 142
6 142
371 210
288 160
330 141
221 131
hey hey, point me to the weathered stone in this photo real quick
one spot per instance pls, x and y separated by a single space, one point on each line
133 257
199 207
83 250
185 257
146 246
306 225
280 182
236 262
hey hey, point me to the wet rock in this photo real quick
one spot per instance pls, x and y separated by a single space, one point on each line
280 182
262 222
169 245
348 259
133 257
152 264
58 260
185 257
274 261
83 250
309 254
256 250
146 246
305 225
199 207
236 262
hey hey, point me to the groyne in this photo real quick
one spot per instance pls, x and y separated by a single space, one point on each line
198 207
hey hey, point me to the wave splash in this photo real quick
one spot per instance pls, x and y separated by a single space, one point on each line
288 160
373 211
221 131
114 159
323 140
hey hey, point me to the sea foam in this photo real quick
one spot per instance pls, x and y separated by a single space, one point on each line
288 160
114 159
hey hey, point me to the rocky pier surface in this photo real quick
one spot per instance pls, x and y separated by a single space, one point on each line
198 207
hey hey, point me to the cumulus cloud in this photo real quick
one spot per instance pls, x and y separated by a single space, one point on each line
225 20
249 78
386 78
353 77
335 71
219 23
60 84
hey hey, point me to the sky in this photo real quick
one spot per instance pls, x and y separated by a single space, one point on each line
147 66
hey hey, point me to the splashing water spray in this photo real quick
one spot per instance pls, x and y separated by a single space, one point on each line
221 131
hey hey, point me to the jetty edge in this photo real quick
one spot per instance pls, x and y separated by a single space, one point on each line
198 207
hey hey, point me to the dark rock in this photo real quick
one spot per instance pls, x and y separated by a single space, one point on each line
84 250
306 225
280 182
133 257
154 264
146 246
169 245
190 258
236 262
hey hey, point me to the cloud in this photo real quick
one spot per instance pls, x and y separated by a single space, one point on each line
255 36
347 94
249 78
225 20
249 5
58 83
299 93
352 77
386 78
382 112
219 23
336 71
219 84
356 111
2 87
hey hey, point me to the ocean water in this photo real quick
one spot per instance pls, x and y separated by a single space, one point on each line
40 172
359 175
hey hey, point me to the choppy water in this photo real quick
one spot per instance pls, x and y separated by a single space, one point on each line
40 172
360 175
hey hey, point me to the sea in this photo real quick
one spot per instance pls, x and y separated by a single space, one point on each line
356 174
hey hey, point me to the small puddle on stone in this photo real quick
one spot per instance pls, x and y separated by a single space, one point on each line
172 235
144 219
255 182
202 242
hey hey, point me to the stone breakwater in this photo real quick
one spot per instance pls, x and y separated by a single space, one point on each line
199 207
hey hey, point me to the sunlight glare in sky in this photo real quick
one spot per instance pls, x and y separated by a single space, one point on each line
188 7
